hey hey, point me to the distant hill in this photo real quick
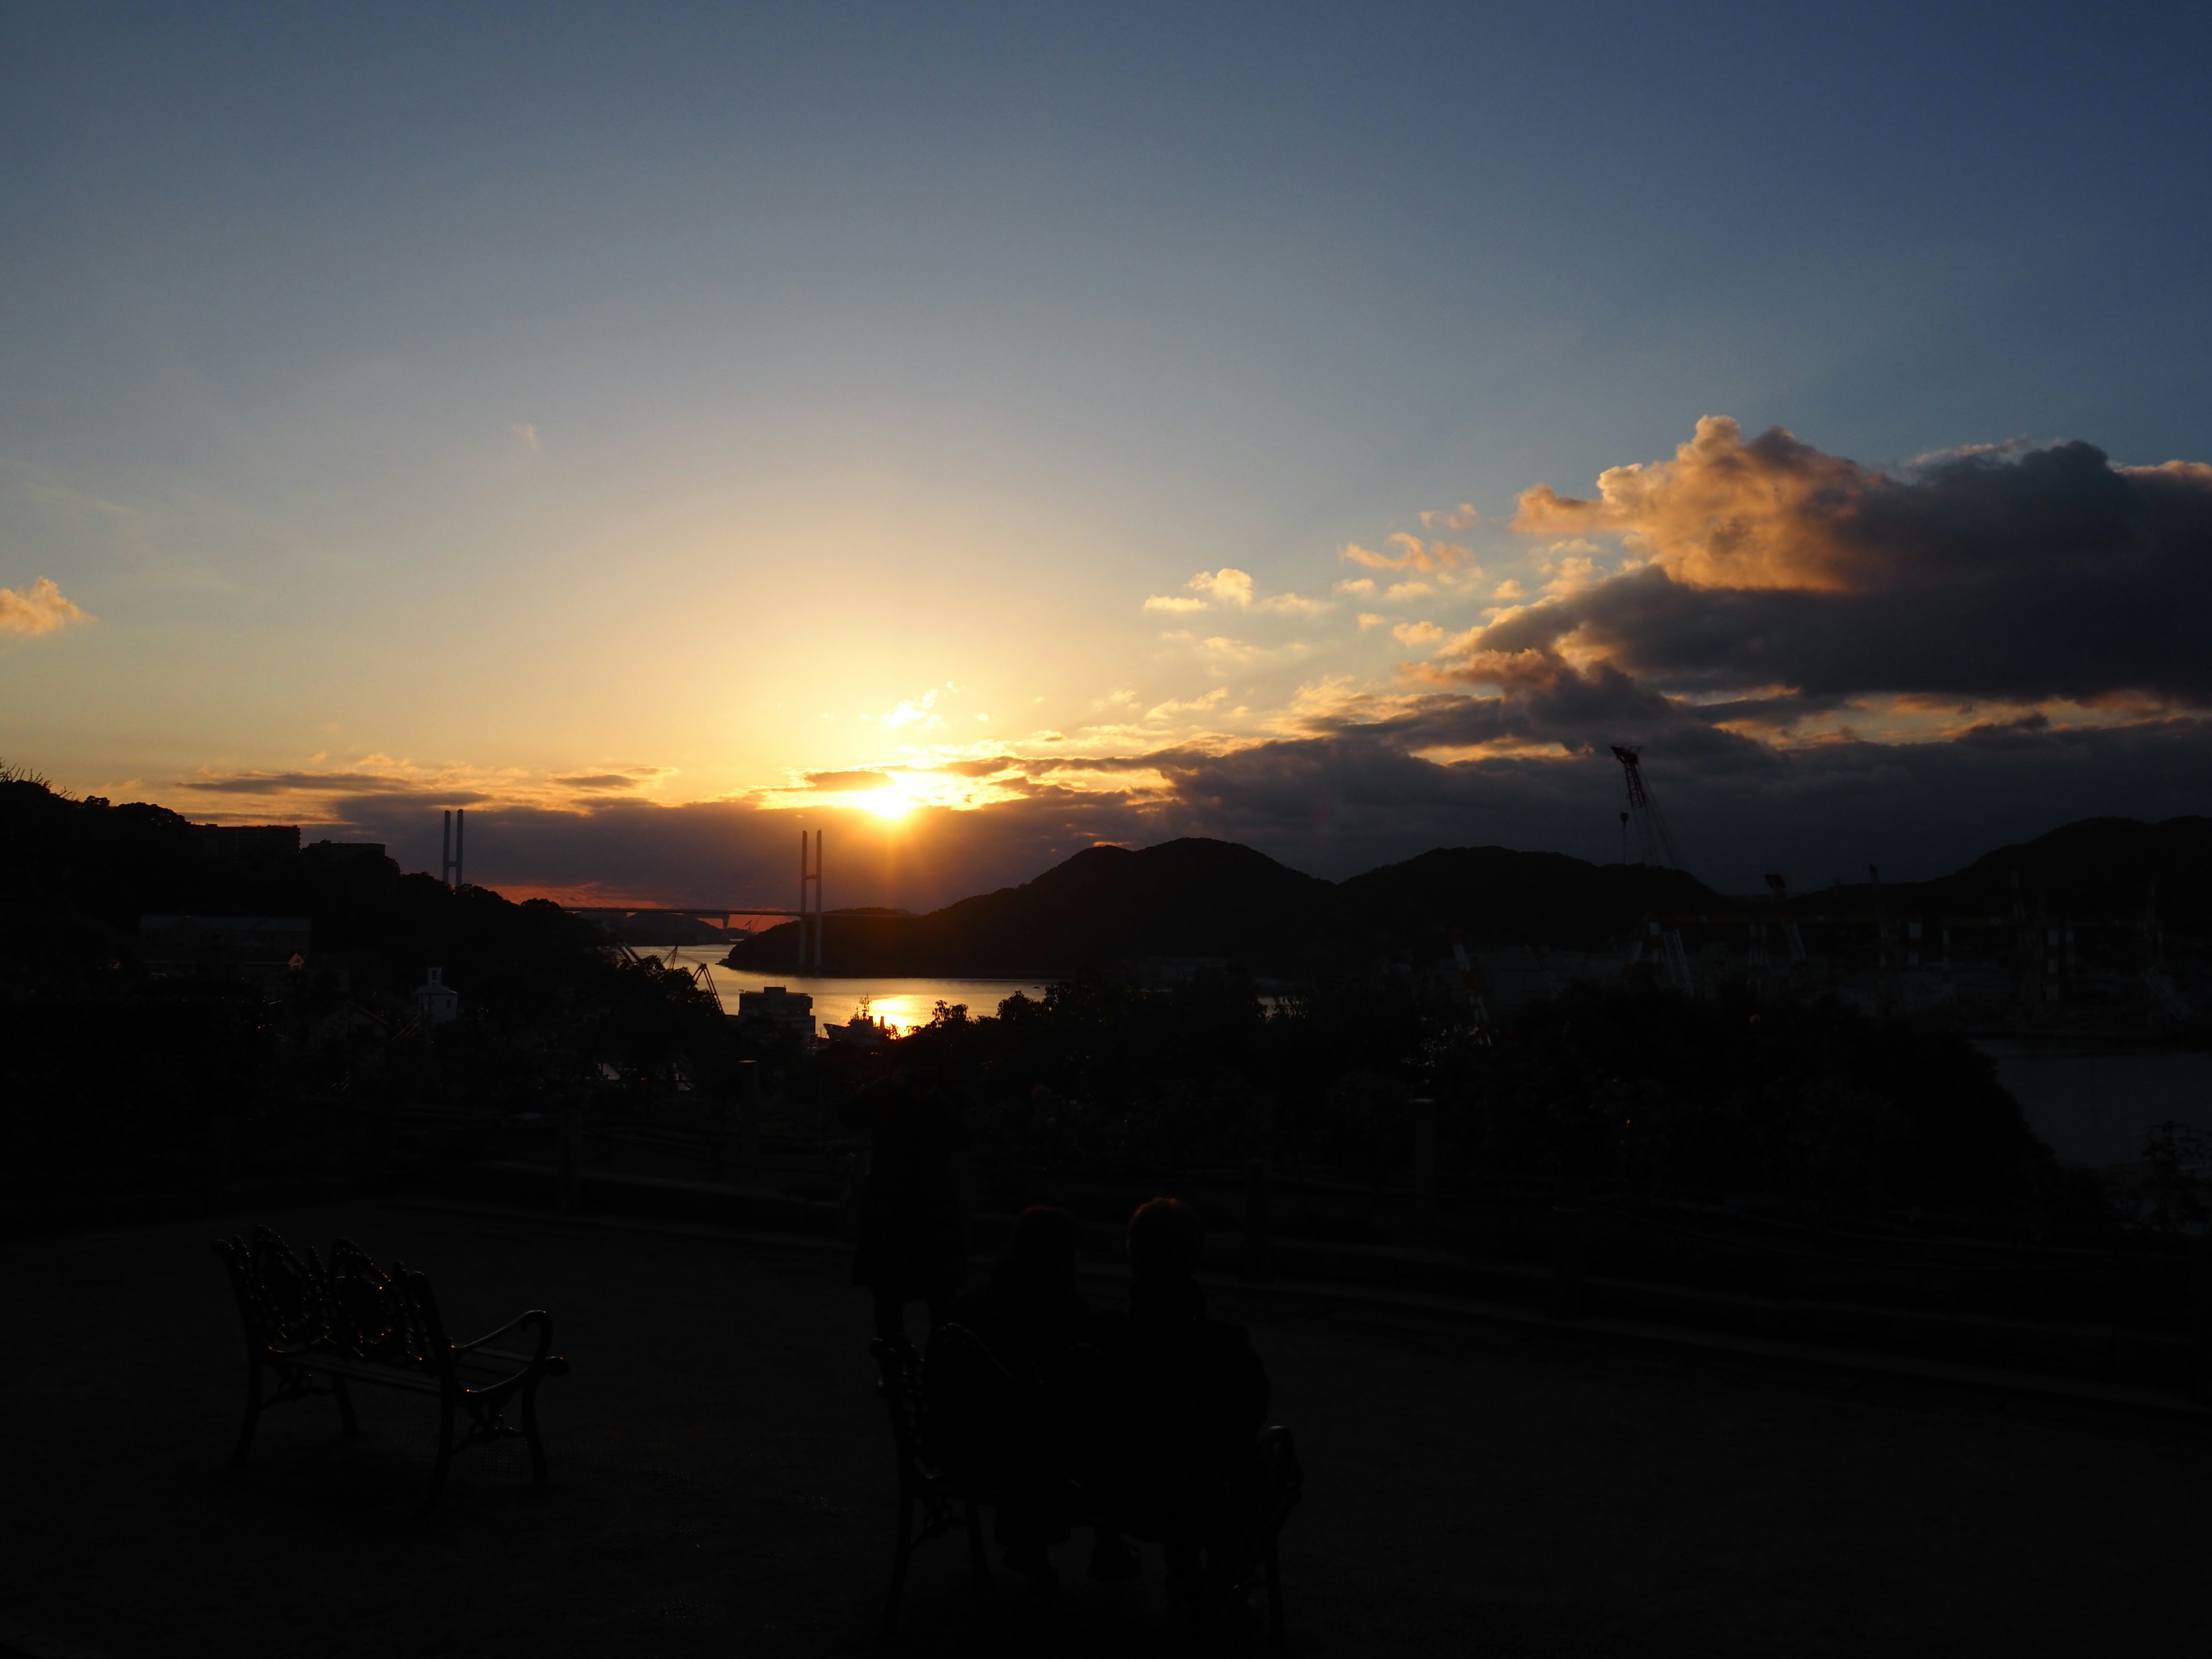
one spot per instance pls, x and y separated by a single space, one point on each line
1494 896
2100 869
1107 904
1218 900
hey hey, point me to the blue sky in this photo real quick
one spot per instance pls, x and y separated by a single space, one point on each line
425 407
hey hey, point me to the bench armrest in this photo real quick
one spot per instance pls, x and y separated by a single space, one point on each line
554 1364
536 1320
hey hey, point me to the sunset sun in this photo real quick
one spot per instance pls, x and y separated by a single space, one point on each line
893 800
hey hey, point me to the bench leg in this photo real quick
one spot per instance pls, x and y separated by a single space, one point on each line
445 1455
345 1408
253 1414
1274 1593
888 1629
530 1431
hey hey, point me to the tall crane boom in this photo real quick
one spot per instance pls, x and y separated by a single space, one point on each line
1653 838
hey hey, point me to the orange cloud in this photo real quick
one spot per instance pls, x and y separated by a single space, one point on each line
1231 587
39 609
1412 554
1729 512
1227 586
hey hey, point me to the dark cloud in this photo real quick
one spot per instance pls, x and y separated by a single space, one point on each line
596 781
302 783
2048 574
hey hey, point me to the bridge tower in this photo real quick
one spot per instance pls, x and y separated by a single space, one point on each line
809 876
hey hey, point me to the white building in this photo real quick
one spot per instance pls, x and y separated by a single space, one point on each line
437 1002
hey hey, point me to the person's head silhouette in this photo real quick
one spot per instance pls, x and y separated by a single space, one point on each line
1166 1240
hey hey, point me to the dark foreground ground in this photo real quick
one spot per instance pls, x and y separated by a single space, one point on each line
722 1483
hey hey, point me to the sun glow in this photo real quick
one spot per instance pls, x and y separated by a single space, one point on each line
897 791
893 800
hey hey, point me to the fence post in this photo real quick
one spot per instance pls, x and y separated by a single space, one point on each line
1424 1163
2200 1295
850 1175
748 1113
1258 1264
568 1154
1570 1239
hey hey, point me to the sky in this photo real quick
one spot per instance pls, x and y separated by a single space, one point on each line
983 431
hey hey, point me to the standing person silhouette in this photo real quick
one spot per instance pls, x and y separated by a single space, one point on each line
913 1229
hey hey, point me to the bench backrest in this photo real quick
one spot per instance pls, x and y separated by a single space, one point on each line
350 1309
958 1415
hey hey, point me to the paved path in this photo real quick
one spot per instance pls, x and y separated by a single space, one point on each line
722 1483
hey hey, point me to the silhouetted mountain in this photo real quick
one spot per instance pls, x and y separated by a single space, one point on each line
1212 899
2095 869
1492 895
1105 905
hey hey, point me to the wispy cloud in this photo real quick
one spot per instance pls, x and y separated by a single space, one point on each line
1227 586
1412 554
631 777
923 713
1235 589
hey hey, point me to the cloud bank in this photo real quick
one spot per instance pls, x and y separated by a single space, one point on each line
2023 623
2049 575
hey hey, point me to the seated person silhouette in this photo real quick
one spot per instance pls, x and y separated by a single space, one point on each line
999 1381
1175 1403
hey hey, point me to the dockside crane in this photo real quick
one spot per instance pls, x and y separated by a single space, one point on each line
1793 970
1656 843
1653 838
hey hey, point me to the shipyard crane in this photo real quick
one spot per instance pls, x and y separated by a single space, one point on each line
1790 972
1653 838
1656 843
1780 887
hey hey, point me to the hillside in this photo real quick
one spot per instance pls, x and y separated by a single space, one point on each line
1105 905
1196 898
1494 896
2092 869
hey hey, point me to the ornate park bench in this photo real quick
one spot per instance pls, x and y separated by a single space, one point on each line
935 1495
313 1328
